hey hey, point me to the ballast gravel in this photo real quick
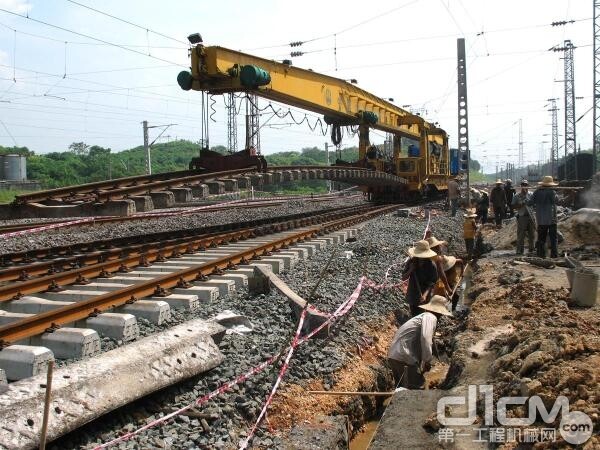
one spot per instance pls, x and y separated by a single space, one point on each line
382 242
86 233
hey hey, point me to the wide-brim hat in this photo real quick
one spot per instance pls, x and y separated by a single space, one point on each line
547 181
433 242
421 250
449 262
437 304
498 181
524 183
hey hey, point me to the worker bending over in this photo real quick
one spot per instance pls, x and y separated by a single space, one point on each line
410 352
421 274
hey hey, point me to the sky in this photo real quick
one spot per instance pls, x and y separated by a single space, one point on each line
70 74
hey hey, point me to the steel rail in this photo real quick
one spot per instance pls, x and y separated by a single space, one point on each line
91 187
50 320
70 249
123 187
258 202
125 259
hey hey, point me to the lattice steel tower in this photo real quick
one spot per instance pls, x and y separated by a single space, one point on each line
252 122
570 136
596 130
554 150
231 123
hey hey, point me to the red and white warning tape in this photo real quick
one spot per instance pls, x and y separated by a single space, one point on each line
344 307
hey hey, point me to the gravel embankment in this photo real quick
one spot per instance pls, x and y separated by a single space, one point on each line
86 233
382 242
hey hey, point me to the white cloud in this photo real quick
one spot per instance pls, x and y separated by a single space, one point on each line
17 6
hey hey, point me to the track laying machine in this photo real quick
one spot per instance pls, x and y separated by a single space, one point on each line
425 164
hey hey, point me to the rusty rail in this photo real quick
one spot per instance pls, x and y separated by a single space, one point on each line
141 254
38 324
68 250
123 187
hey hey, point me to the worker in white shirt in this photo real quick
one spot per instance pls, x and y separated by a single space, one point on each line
410 353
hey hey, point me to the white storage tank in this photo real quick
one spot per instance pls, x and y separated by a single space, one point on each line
15 167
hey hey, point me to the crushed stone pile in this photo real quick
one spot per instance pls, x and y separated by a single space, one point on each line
553 351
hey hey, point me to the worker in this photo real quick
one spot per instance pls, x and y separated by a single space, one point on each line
498 199
524 220
442 286
421 274
452 268
469 230
410 352
483 205
453 195
545 200
509 190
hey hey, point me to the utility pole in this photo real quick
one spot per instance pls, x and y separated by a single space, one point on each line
231 124
554 151
463 116
327 159
147 148
520 165
596 120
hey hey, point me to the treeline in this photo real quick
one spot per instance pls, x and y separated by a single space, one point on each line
84 163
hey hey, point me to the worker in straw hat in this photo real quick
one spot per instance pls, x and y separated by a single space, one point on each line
498 201
524 220
469 232
545 201
452 269
410 352
442 286
421 274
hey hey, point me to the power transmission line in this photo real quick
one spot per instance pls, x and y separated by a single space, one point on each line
128 22
77 33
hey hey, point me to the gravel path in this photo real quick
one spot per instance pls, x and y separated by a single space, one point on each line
143 226
382 242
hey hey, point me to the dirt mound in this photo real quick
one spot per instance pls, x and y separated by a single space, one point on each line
583 226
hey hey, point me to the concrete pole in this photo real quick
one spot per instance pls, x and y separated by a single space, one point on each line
147 148
327 159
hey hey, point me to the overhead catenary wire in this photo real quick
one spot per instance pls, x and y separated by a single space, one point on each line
148 30
77 33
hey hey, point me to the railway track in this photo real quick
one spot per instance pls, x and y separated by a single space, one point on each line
167 277
150 253
221 206
140 185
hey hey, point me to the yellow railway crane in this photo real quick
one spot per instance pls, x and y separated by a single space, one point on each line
219 70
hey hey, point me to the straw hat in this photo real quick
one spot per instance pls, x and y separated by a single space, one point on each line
437 304
498 181
449 262
433 242
547 181
421 250
470 215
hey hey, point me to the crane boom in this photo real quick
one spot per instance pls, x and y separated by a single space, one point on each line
219 70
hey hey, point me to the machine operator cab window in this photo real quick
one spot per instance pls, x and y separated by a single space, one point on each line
407 166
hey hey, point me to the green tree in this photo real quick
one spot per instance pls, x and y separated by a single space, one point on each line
79 148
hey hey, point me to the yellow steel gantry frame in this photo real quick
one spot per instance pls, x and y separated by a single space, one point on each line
217 70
